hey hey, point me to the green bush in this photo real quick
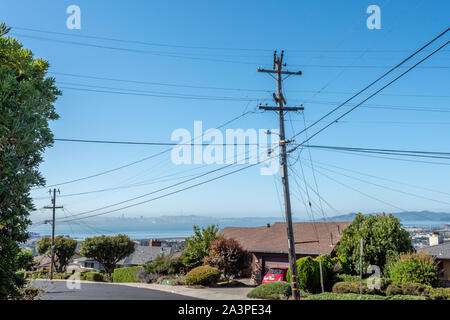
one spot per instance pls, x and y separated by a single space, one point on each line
439 293
354 296
394 289
203 275
126 274
416 268
308 274
417 289
61 276
271 290
165 265
346 278
92 276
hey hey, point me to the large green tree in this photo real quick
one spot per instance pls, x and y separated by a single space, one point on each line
27 99
107 250
382 236
198 245
64 250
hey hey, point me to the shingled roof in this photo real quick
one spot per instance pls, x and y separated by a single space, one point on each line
273 239
439 251
143 254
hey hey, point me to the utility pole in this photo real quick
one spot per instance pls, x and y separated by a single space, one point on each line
360 266
281 101
53 207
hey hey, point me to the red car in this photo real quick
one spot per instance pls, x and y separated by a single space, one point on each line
275 274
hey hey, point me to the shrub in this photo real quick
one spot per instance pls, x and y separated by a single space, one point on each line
346 287
20 278
228 256
61 276
165 265
439 293
346 278
177 280
415 289
271 290
126 274
92 276
147 277
341 265
394 289
308 274
416 268
204 275
353 296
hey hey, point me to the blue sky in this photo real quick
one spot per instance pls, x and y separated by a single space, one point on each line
324 39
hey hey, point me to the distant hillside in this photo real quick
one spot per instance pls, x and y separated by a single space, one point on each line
404 216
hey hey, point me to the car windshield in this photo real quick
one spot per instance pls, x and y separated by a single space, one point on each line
275 271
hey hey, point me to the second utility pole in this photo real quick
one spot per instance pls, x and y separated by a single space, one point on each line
53 207
280 100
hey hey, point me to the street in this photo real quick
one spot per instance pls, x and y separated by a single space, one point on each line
58 290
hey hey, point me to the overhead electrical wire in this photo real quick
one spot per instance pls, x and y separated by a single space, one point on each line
172 55
377 80
140 160
370 96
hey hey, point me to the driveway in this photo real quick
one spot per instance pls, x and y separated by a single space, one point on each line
62 290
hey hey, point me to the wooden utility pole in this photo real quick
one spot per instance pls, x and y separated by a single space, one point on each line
53 207
281 101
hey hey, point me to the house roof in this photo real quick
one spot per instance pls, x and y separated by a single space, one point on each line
440 251
143 254
273 239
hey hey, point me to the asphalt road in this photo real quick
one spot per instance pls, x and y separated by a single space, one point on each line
59 290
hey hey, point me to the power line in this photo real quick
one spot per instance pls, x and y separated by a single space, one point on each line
140 160
151 143
226 88
176 191
171 55
373 94
375 81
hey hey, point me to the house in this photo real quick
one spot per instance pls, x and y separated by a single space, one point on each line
144 254
268 245
441 252
84 264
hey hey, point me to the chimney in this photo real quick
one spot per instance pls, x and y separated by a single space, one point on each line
267 225
435 239
154 243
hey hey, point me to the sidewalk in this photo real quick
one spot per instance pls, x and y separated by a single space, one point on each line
234 293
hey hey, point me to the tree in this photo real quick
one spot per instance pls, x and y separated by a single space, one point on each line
197 247
382 236
107 250
26 107
64 250
228 256
25 259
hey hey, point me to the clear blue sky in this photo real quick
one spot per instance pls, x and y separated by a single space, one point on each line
320 38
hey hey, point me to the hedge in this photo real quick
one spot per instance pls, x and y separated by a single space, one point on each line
271 290
354 296
418 289
92 276
126 274
203 275
308 274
